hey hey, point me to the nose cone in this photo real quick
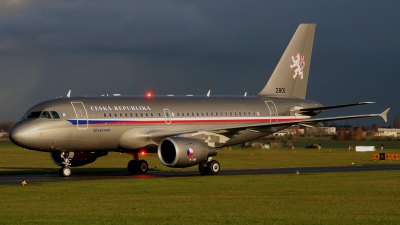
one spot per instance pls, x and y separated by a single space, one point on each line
19 134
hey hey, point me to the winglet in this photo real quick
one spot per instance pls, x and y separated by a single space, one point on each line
384 114
208 94
69 94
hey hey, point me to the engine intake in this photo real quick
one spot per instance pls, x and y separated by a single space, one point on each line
77 158
181 152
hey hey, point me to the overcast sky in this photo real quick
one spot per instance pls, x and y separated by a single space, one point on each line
189 47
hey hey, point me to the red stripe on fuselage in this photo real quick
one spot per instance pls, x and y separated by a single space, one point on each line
193 121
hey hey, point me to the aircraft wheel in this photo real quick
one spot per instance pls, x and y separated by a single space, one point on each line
214 167
64 172
132 167
204 169
142 167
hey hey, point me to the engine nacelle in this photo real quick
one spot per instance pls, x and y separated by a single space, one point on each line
181 152
77 158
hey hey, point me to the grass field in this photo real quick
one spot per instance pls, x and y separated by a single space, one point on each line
310 198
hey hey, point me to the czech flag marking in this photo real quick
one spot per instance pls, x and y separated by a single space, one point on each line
189 152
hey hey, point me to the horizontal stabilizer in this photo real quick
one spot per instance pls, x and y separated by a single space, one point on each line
315 124
331 107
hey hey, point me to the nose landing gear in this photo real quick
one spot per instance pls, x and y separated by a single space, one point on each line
65 170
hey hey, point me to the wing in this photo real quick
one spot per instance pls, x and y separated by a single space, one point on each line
220 135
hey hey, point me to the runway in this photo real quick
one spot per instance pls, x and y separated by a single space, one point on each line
44 178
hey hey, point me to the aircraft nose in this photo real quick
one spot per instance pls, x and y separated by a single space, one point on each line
19 134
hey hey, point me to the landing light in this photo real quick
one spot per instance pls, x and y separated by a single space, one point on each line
143 152
149 94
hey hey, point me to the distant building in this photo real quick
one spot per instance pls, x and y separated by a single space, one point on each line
3 134
388 132
321 130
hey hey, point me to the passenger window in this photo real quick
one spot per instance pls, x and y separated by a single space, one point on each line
240 113
116 115
110 114
177 114
211 114
126 114
105 114
55 115
206 113
120 115
136 114
141 114
147 115
187 114
45 114
131 114
159 114
151 114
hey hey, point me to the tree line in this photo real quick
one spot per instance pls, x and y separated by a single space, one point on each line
6 126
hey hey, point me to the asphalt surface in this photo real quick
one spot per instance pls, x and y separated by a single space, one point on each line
17 179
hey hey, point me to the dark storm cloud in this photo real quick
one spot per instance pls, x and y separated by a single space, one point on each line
181 47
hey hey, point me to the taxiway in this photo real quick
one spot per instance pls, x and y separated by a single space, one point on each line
17 179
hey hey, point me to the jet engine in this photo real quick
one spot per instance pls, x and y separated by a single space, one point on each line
181 152
77 158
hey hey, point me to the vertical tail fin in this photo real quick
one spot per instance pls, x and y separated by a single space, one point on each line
290 76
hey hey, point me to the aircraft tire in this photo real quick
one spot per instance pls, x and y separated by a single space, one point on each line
204 170
142 166
132 167
214 167
64 172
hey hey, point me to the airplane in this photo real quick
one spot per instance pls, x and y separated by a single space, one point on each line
184 131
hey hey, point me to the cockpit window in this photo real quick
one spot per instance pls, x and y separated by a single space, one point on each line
45 114
55 115
35 114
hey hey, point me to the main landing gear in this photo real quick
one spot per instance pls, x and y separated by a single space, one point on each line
136 166
65 170
209 167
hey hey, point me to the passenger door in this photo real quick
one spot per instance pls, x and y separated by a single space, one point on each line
273 111
81 115
167 115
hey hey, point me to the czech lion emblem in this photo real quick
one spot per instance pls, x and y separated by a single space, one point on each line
298 64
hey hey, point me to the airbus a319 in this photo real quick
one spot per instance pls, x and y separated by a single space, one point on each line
184 131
